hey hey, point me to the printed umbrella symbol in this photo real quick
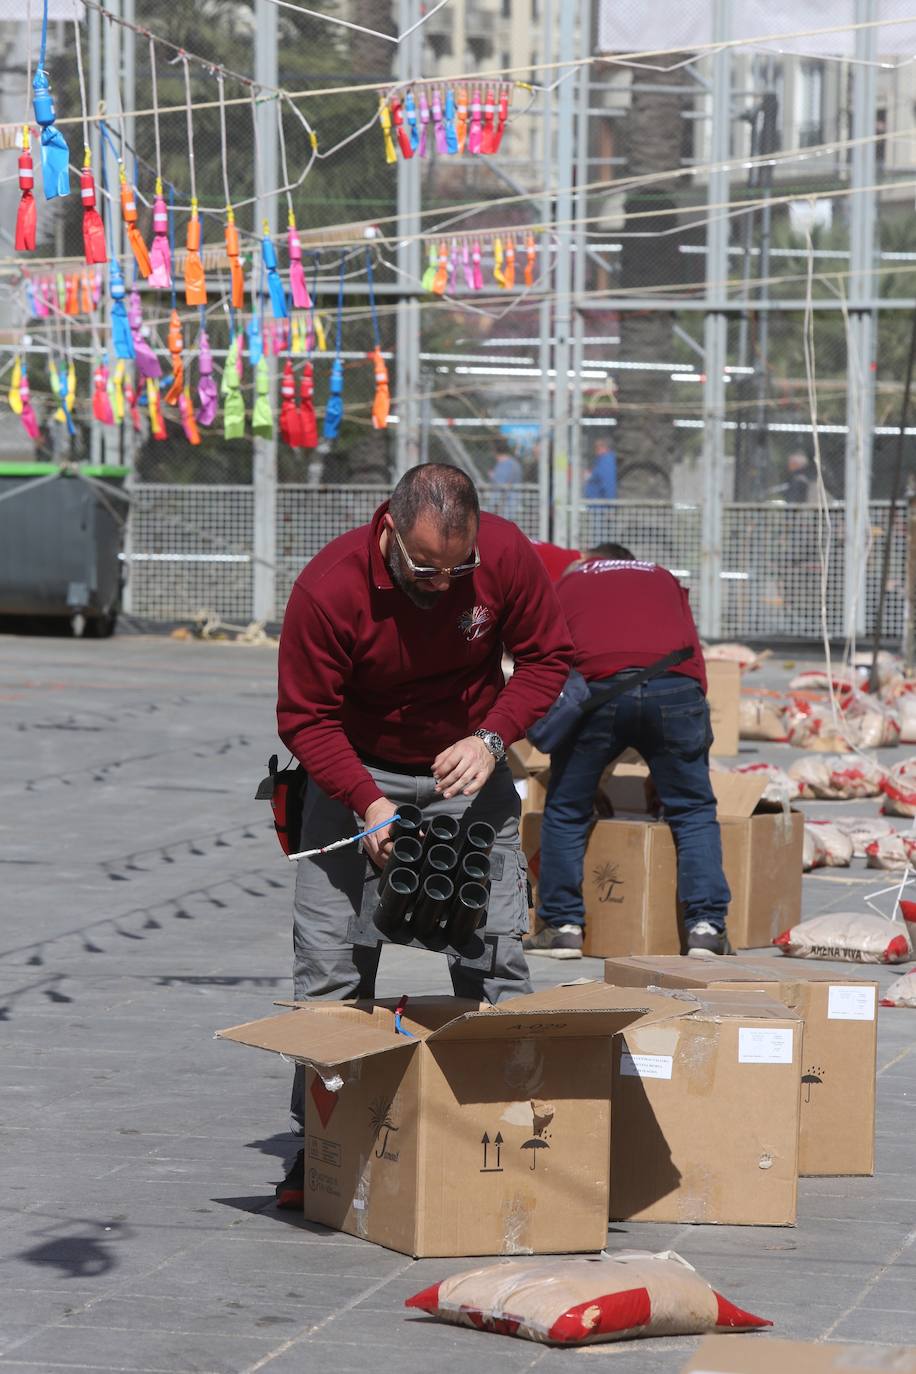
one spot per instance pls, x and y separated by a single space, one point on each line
808 1079
534 1144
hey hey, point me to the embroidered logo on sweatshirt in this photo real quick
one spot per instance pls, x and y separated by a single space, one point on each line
475 623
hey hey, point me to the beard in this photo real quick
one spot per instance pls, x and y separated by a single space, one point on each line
427 601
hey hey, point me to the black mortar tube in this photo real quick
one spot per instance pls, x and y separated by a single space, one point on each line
440 830
474 868
479 838
432 906
394 902
405 853
409 822
439 858
466 913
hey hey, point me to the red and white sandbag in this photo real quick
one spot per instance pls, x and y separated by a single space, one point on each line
853 937
862 830
747 660
811 725
833 845
891 851
889 666
584 1301
814 854
871 724
899 788
902 992
780 787
761 718
837 777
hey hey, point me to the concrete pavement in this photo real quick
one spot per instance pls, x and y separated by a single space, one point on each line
145 904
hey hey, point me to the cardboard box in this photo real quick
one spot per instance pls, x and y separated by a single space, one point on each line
723 693
531 772
763 1355
630 875
705 1114
837 1124
484 1132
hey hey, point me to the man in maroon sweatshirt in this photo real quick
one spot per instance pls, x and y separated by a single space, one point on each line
391 690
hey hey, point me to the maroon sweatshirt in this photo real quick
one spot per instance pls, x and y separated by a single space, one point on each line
627 615
364 670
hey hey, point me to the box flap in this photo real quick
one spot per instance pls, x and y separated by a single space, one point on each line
735 1002
578 1010
737 794
312 1036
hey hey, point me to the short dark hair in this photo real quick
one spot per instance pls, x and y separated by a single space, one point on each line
438 489
615 551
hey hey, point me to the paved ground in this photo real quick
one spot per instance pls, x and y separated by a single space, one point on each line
145 904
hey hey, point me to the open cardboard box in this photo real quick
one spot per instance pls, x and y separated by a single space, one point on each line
478 1130
630 871
763 1355
837 1122
705 1114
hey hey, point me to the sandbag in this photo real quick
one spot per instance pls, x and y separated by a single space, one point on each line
835 847
747 660
811 725
906 710
888 665
852 937
780 786
837 777
870 723
862 830
891 851
584 1301
899 788
819 680
761 718
814 855
902 992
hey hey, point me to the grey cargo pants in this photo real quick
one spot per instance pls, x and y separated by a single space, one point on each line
329 890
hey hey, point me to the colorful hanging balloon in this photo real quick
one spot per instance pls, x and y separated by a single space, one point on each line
14 395
148 364
439 122
425 116
466 265
116 389
461 117
188 421
381 405
440 277
101 403
231 391
509 270
27 214
530 258
176 348
297 284
160 253
130 395
451 133
308 424
121 337
289 422
156 422
207 395
474 134
55 154
429 276
274 284
129 216
498 261
333 414
384 119
262 420
476 265
195 284
503 114
397 119
93 228
26 413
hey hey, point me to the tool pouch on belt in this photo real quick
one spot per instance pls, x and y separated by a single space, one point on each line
284 788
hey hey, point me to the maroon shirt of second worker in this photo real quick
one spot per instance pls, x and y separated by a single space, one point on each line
362 670
627 615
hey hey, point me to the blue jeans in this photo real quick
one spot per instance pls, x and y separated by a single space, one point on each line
667 721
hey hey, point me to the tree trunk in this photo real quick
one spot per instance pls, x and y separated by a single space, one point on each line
645 440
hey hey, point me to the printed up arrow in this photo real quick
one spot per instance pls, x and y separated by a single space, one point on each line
498 1141
485 1141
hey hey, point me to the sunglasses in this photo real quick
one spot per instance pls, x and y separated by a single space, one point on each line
423 574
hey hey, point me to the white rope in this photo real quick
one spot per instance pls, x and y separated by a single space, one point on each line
222 137
193 171
155 86
82 84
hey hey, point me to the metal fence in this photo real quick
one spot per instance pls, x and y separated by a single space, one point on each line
192 549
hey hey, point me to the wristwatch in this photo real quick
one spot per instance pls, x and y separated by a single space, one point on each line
493 742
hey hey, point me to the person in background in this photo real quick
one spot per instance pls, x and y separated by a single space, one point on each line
390 690
798 487
507 475
602 480
625 614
